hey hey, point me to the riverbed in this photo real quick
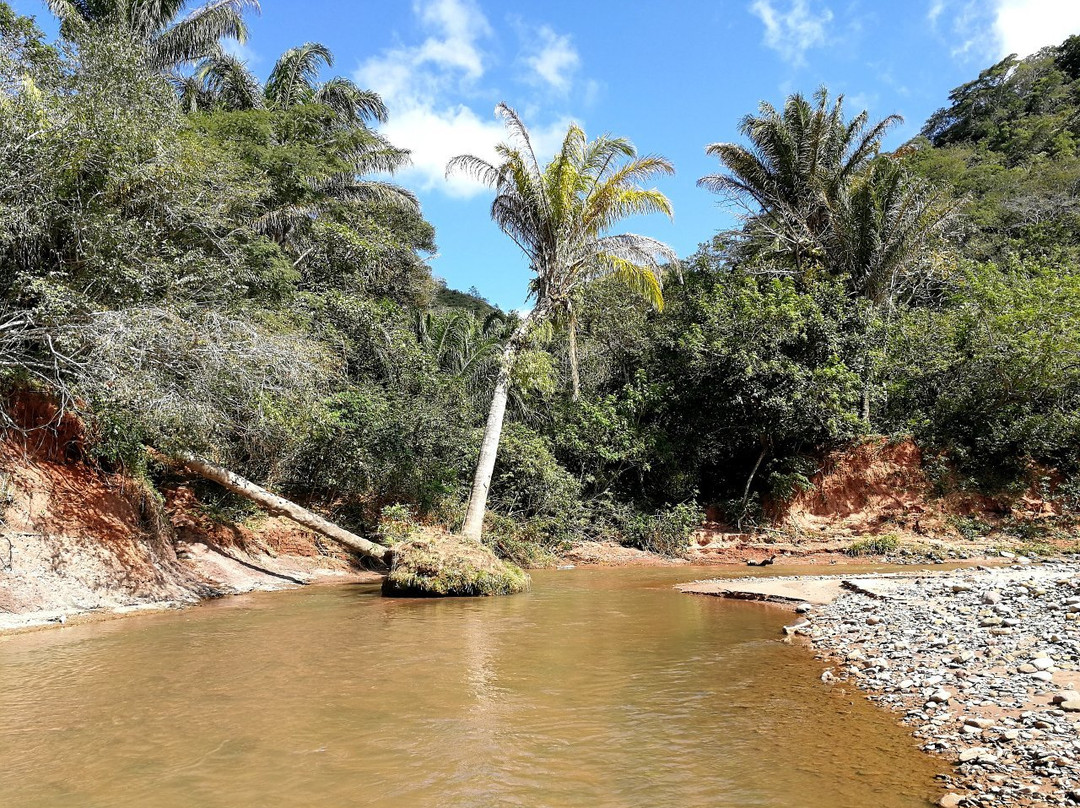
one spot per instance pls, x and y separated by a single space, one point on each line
601 687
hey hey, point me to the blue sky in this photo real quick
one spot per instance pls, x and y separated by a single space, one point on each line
672 76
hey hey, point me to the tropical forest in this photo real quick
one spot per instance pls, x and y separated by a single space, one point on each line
739 496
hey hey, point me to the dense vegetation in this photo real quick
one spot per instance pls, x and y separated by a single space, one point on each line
202 262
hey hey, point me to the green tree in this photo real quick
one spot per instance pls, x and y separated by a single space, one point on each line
799 163
560 215
171 38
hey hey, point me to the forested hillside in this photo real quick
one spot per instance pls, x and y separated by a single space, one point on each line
198 261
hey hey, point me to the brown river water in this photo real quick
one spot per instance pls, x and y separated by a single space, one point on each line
599 688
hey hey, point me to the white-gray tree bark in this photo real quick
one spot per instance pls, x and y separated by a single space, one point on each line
279 506
473 527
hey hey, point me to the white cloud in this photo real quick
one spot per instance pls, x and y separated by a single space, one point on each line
794 31
936 8
554 60
422 86
241 51
1024 26
984 30
437 134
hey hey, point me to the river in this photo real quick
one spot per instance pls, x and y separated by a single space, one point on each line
599 688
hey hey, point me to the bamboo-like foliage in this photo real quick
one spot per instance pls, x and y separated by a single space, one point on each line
172 38
560 214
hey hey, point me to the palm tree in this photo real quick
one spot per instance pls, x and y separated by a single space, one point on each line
171 40
819 195
882 226
222 81
798 163
560 215
295 81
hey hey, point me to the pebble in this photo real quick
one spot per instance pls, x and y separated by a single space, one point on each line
970 665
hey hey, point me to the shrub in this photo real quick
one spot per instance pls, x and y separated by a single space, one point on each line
970 528
666 532
396 524
874 545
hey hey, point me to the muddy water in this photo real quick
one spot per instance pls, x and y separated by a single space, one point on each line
600 688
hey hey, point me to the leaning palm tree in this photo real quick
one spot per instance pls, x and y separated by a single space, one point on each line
172 39
799 161
560 215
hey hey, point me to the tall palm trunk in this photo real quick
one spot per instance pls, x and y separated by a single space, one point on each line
575 373
489 448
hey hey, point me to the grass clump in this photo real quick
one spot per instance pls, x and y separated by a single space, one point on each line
447 566
874 545
396 524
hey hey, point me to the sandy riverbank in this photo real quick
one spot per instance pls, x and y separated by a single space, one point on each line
983 664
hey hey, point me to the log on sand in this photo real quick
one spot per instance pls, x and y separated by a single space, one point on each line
279 506
424 566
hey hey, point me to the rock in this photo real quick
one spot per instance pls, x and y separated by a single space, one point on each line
1043 676
794 628
1065 695
1070 706
986 622
940 696
873 620
974 753
981 723
803 608
1043 663
951 800
991 597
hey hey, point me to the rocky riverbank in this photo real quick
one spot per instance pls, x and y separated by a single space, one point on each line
983 664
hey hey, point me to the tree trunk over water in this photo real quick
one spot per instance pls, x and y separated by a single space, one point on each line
279 506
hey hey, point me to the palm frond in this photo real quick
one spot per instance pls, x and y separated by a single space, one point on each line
294 78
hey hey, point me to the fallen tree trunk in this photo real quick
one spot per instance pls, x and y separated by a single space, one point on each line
279 506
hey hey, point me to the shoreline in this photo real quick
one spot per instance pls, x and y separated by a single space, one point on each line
982 664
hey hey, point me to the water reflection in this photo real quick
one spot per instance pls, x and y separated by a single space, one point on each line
599 688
